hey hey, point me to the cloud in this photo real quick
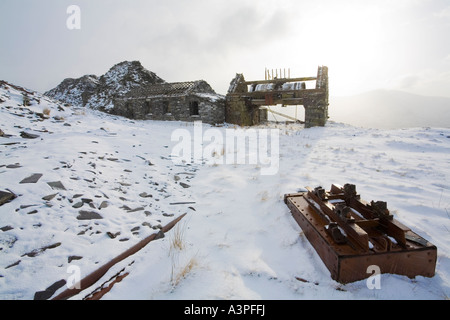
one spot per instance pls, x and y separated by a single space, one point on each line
249 27
364 43
443 13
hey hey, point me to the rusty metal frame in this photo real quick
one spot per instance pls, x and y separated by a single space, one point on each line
350 235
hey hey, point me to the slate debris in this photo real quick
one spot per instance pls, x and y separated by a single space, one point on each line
91 209
103 205
50 291
6 197
71 258
56 185
78 205
49 197
34 178
13 264
27 135
37 252
113 235
184 185
88 215
13 166
6 228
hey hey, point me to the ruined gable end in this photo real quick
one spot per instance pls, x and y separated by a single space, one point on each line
247 102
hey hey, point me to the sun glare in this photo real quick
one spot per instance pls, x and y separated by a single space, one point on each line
347 41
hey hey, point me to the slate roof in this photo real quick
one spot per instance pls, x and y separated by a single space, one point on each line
171 89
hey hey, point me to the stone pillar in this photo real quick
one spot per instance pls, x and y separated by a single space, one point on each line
316 115
241 112
316 104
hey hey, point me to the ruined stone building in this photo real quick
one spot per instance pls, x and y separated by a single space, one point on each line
246 103
246 100
130 90
183 101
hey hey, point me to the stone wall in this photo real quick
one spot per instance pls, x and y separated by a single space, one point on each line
241 111
192 107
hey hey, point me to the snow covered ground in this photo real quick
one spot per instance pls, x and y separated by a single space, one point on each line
238 240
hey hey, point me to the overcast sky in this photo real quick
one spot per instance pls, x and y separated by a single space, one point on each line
367 45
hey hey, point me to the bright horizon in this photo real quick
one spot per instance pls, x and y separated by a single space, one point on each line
399 45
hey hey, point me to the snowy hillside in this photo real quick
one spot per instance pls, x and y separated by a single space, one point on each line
89 186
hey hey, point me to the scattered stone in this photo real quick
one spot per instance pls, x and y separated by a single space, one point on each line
6 197
33 212
103 205
88 215
145 195
56 185
58 118
6 228
27 135
4 135
50 291
160 235
71 258
32 179
185 202
149 163
49 197
37 252
10 144
184 185
157 226
14 166
24 206
113 235
104 195
136 209
13 264
78 205
168 214
146 224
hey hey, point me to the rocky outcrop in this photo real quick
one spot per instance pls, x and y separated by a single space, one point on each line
75 91
99 92
129 90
